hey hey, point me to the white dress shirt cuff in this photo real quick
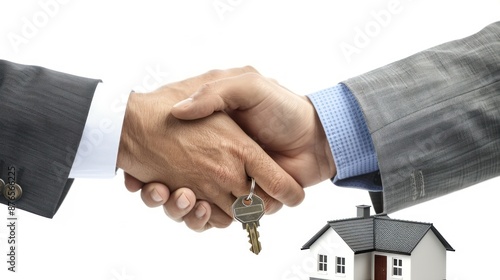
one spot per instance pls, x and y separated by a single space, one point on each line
98 150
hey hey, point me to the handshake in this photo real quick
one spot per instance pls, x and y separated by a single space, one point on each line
191 146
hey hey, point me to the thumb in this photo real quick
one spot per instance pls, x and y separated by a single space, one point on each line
235 93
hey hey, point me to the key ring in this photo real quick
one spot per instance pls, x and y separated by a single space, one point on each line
252 188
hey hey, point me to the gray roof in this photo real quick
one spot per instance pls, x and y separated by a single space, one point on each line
379 233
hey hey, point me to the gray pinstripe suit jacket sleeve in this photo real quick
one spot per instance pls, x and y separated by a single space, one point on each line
435 118
42 116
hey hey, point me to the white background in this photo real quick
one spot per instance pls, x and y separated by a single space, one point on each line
103 232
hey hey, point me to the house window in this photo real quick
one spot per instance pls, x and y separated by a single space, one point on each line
322 263
340 265
397 267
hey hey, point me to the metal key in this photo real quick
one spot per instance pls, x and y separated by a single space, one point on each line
248 210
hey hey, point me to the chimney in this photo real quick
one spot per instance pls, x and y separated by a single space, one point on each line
363 211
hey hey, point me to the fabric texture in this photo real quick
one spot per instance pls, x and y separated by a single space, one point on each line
434 118
348 136
42 116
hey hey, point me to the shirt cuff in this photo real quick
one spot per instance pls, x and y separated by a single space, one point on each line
348 136
98 150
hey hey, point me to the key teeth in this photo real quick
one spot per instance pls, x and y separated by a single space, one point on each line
258 245
256 235
252 231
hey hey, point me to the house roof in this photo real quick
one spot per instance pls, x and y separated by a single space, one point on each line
379 233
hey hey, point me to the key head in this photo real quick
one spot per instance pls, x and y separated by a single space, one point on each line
248 211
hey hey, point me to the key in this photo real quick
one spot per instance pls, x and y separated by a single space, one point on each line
249 212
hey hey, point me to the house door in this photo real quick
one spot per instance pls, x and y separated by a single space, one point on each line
380 267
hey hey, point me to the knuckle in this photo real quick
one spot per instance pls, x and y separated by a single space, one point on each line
254 77
249 69
209 88
206 88
241 70
214 74
263 84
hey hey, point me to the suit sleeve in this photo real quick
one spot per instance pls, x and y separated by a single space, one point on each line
434 118
42 117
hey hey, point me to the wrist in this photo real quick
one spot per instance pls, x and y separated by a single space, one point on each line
129 129
327 151
323 151
144 126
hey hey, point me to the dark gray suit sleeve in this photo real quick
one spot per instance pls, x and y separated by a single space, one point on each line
42 116
435 118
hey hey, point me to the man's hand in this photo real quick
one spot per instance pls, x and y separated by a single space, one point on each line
283 123
212 156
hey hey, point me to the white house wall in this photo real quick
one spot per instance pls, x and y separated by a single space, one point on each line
331 245
362 266
429 259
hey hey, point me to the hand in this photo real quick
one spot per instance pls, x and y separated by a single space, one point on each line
283 123
212 156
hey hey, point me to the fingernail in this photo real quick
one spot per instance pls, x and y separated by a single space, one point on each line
182 202
184 102
200 212
156 196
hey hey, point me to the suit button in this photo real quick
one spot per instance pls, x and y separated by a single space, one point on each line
12 192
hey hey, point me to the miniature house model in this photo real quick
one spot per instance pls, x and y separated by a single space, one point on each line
379 248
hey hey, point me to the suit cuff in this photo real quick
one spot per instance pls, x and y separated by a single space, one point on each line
348 136
98 149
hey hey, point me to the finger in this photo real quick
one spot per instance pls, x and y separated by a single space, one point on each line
273 180
131 183
192 84
198 218
271 204
238 92
181 202
219 218
205 216
155 194
218 74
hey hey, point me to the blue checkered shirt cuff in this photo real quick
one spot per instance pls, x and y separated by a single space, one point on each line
349 138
